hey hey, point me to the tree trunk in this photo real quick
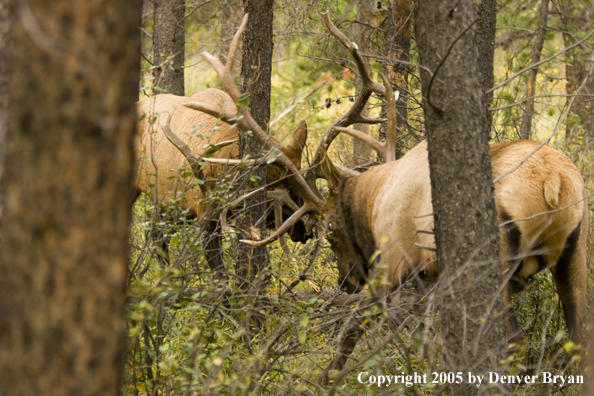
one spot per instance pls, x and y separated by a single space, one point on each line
364 36
578 74
68 184
168 45
466 231
256 73
5 28
526 126
231 14
397 36
487 14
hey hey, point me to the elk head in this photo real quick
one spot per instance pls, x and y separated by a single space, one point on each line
352 265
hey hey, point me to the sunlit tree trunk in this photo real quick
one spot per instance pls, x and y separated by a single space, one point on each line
68 184
526 126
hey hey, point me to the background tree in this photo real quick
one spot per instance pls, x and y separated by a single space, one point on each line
526 126
466 231
169 45
397 38
231 14
256 74
577 19
364 33
63 263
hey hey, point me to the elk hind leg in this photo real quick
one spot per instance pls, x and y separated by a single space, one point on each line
348 342
570 276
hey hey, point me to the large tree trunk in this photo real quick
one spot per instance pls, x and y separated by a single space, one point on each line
526 126
5 28
168 45
256 73
397 37
466 231
364 36
68 184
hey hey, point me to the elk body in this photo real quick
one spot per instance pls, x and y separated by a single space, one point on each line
541 209
161 165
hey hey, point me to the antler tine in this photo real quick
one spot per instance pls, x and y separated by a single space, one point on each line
307 208
187 152
354 50
247 123
391 98
235 44
387 149
353 115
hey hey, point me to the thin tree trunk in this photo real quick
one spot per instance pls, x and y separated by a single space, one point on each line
168 45
256 73
578 74
526 126
231 14
466 231
364 36
68 183
397 38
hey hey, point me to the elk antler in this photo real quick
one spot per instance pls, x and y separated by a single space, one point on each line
313 201
387 149
353 116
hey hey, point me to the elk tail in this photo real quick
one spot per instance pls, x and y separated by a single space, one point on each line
552 190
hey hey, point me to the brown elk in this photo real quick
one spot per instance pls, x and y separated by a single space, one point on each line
539 193
162 167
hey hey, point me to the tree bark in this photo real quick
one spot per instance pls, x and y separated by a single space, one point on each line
68 184
526 126
364 36
231 14
256 73
168 45
466 231
397 38
487 14
5 29
578 73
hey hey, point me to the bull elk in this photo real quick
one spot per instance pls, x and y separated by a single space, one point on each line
162 166
539 194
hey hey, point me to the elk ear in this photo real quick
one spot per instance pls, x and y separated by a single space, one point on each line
294 150
329 172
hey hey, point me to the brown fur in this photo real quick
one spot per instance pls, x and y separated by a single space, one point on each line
197 129
161 164
384 207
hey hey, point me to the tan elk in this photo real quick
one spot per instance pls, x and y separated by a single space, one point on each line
163 169
539 193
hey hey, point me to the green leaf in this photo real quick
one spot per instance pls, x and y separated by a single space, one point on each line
159 89
304 321
242 101
302 337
